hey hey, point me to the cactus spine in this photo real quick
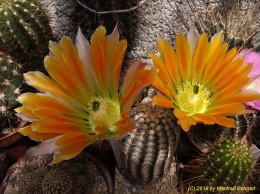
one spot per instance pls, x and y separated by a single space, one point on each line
148 151
10 85
24 29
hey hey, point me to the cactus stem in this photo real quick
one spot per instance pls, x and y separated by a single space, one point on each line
112 11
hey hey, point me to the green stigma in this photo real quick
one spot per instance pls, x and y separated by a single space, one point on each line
104 111
192 97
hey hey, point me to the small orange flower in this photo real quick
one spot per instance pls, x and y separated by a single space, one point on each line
80 101
201 80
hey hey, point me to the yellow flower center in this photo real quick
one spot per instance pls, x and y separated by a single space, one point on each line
192 97
104 112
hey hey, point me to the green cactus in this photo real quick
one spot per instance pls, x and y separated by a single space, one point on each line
228 165
148 150
24 29
10 86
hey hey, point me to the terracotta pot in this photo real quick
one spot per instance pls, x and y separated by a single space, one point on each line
16 144
4 159
12 137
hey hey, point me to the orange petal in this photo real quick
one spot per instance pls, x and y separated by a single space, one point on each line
179 113
116 52
231 89
224 121
69 152
205 118
71 145
136 79
78 73
59 72
74 137
200 57
43 102
184 56
52 115
26 112
27 131
244 96
214 64
158 63
163 101
125 125
83 49
239 71
186 122
165 88
226 109
43 83
46 126
214 45
98 55
47 85
169 57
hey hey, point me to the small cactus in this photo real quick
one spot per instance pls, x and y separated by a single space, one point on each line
10 86
24 29
148 151
228 165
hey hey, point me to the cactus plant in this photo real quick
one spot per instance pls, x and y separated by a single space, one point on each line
10 86
148 151
236 19
24 29
228 164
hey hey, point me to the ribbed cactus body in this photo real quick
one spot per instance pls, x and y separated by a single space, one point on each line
148 150
228 164
10 85
24 29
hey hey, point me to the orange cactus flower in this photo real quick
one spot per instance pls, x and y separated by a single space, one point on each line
201 80
80 102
